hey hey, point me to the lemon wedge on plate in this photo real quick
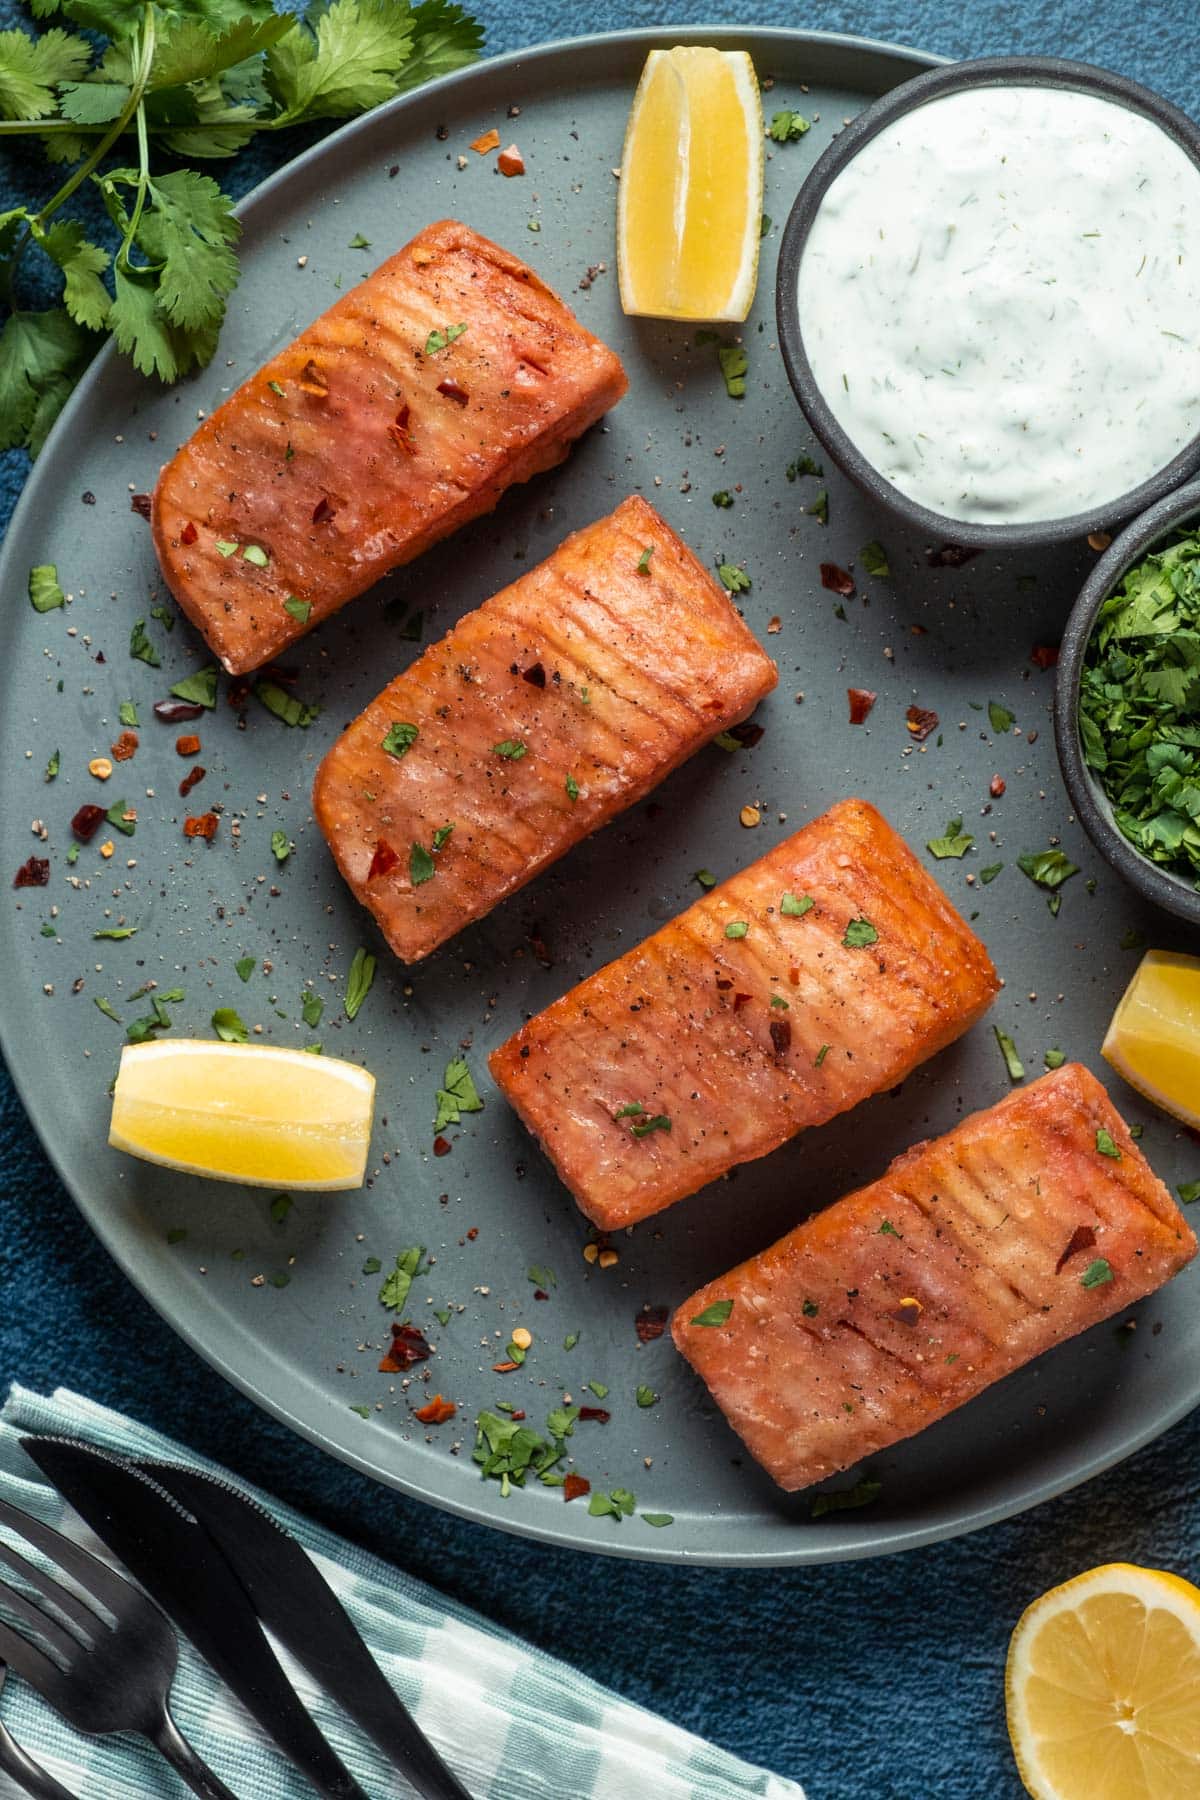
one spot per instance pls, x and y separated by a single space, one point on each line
689 207
252 1113
1103 1688
1154 1038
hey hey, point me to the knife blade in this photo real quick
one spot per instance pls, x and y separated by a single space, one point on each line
297 1605
176 1561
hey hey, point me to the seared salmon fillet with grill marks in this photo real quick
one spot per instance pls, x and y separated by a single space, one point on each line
971 1255
555 705
401 413
820 975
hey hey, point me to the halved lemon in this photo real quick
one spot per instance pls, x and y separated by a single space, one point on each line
1154 1038
689 206
1103 1688
253 1113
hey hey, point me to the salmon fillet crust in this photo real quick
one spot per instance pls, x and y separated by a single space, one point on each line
974 1253
820 975
401 413
538 718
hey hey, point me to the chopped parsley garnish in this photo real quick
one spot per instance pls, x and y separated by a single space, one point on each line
540 1275
1001 719
887 1229
1106 1146
116 818
363 1412
779 1001
45 595
281 846
803 465
810 1309
508 1451
736 928
277 389
572 788
859 934
371 1266
358 982
127 712
990 872
846 1499
645 1396
658 1520
421 866
722 497
107 1008
401 736
599 1388
819 509
441 836
643 566
53 765
657 1122
141 647
395 1290
199 689
819 1058
873 558
1048 868
956 842
794 906
1188 1191
787 127
619 1504
734 363
715 1313
359 242
705 877
1054 1059
438 340
456 1096
285 706
311 1008
1096 1274
734 579
254 553
511 749
226 547
300 610
228 1026
280 1207
245 966
570 1341
630 1110
1008 1050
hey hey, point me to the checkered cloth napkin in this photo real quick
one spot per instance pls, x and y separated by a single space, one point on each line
514 1723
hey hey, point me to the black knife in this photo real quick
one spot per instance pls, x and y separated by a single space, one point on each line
176 1561
297 1605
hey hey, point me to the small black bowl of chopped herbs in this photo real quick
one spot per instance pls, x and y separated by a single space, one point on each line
1127 704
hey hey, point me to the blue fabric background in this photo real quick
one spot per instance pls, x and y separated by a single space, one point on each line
881 1679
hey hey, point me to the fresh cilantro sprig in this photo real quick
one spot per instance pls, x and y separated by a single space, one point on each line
196 79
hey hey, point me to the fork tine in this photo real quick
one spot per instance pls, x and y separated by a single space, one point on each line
38 1669
96 1576
46 1626
61 1598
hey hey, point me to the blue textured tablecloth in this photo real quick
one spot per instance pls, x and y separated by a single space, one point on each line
880 1680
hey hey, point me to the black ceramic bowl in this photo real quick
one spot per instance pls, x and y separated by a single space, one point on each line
992 71
1175 892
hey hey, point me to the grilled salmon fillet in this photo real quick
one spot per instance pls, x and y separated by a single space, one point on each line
551 708
405 410
818 976
971 1255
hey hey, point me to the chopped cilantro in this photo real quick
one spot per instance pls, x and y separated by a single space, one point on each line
141 647
538 1273
873 558
570 1341
863 1493
794 906
199 689
441 836
715 1313
887 1229
228 1026
705 877
722 497
245 966
311 1008
127 712
45 595
819 1058
300 610
810 1309
734 579
658 1520
281 847
400 738
358 982
1096 1274
1106 1146
619 1504
359 242
1008 1050
285 706
457 1095
1001 719
511 749
859 934
395 1290
956 842
1188 1191
53 765
990 872
1048 868
803 465
572 788
786 127
421 866
819 509
645 1396
736 928
280 1207
1054 1059
643 566
734 364
107 1008
116 818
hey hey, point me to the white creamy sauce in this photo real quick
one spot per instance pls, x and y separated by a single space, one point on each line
1000 302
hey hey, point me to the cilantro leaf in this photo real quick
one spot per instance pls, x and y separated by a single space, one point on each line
395 1290
349 60
228 1026
457 1095
715 1313
42 354
1048 868
859 934
358 982
1008 1050
45 595
863 1493
956 842
787 127
199 689
31 68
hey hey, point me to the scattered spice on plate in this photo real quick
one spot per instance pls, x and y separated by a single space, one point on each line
486 142
510 162
203 825
837 580
861 701
33 872
436 1411
921 723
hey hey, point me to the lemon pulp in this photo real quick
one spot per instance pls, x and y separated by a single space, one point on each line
689 209
258 1114
1154 1038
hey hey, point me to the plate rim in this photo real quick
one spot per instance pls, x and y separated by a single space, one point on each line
936 1526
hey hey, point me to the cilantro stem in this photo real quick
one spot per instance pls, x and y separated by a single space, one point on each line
131 106
143 182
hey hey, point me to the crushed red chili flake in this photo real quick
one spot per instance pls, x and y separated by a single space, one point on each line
435 1411
537 944
194 776
313 381
650 1323
472 1234
383 861
540 1294
781 1035
861 701
85 823
576 1486
740 1000
399 431
487 140
949 556
323 511
408 1346
504 1368
997 786
794 977
176 712
188 533
838 581
1082 1238
187 744
204 825
1044 656
599 1413
453 390
518 1413
33 873
140 504
125 746
510 162
921 722
535 675
442 1146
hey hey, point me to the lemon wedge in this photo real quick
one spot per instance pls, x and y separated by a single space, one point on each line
1103 1688
253 1113
1154 1038
689 207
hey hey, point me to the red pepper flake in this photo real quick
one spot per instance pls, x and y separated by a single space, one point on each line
313 380
408 1346
650 1323
442 1147
176 712
33 873
538 945
85 823
125 746
576 1486
488 141
383 861
140 504
453 390
187 745
861 701
781 1035
949 556
203 826
794 977
1044 656
921 722
774 625
504 1368
400 433
323 511
740 1000
1082 1238
194 775
599 1413
188 533
540 1294
510 162
535 675
518 1414
997 786
838 581
435 1411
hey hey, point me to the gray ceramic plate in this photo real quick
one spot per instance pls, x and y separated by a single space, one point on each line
950 639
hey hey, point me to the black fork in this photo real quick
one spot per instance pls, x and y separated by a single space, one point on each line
106 1664
29 1776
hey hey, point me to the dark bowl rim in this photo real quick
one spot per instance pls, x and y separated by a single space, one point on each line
1090 804
989 71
